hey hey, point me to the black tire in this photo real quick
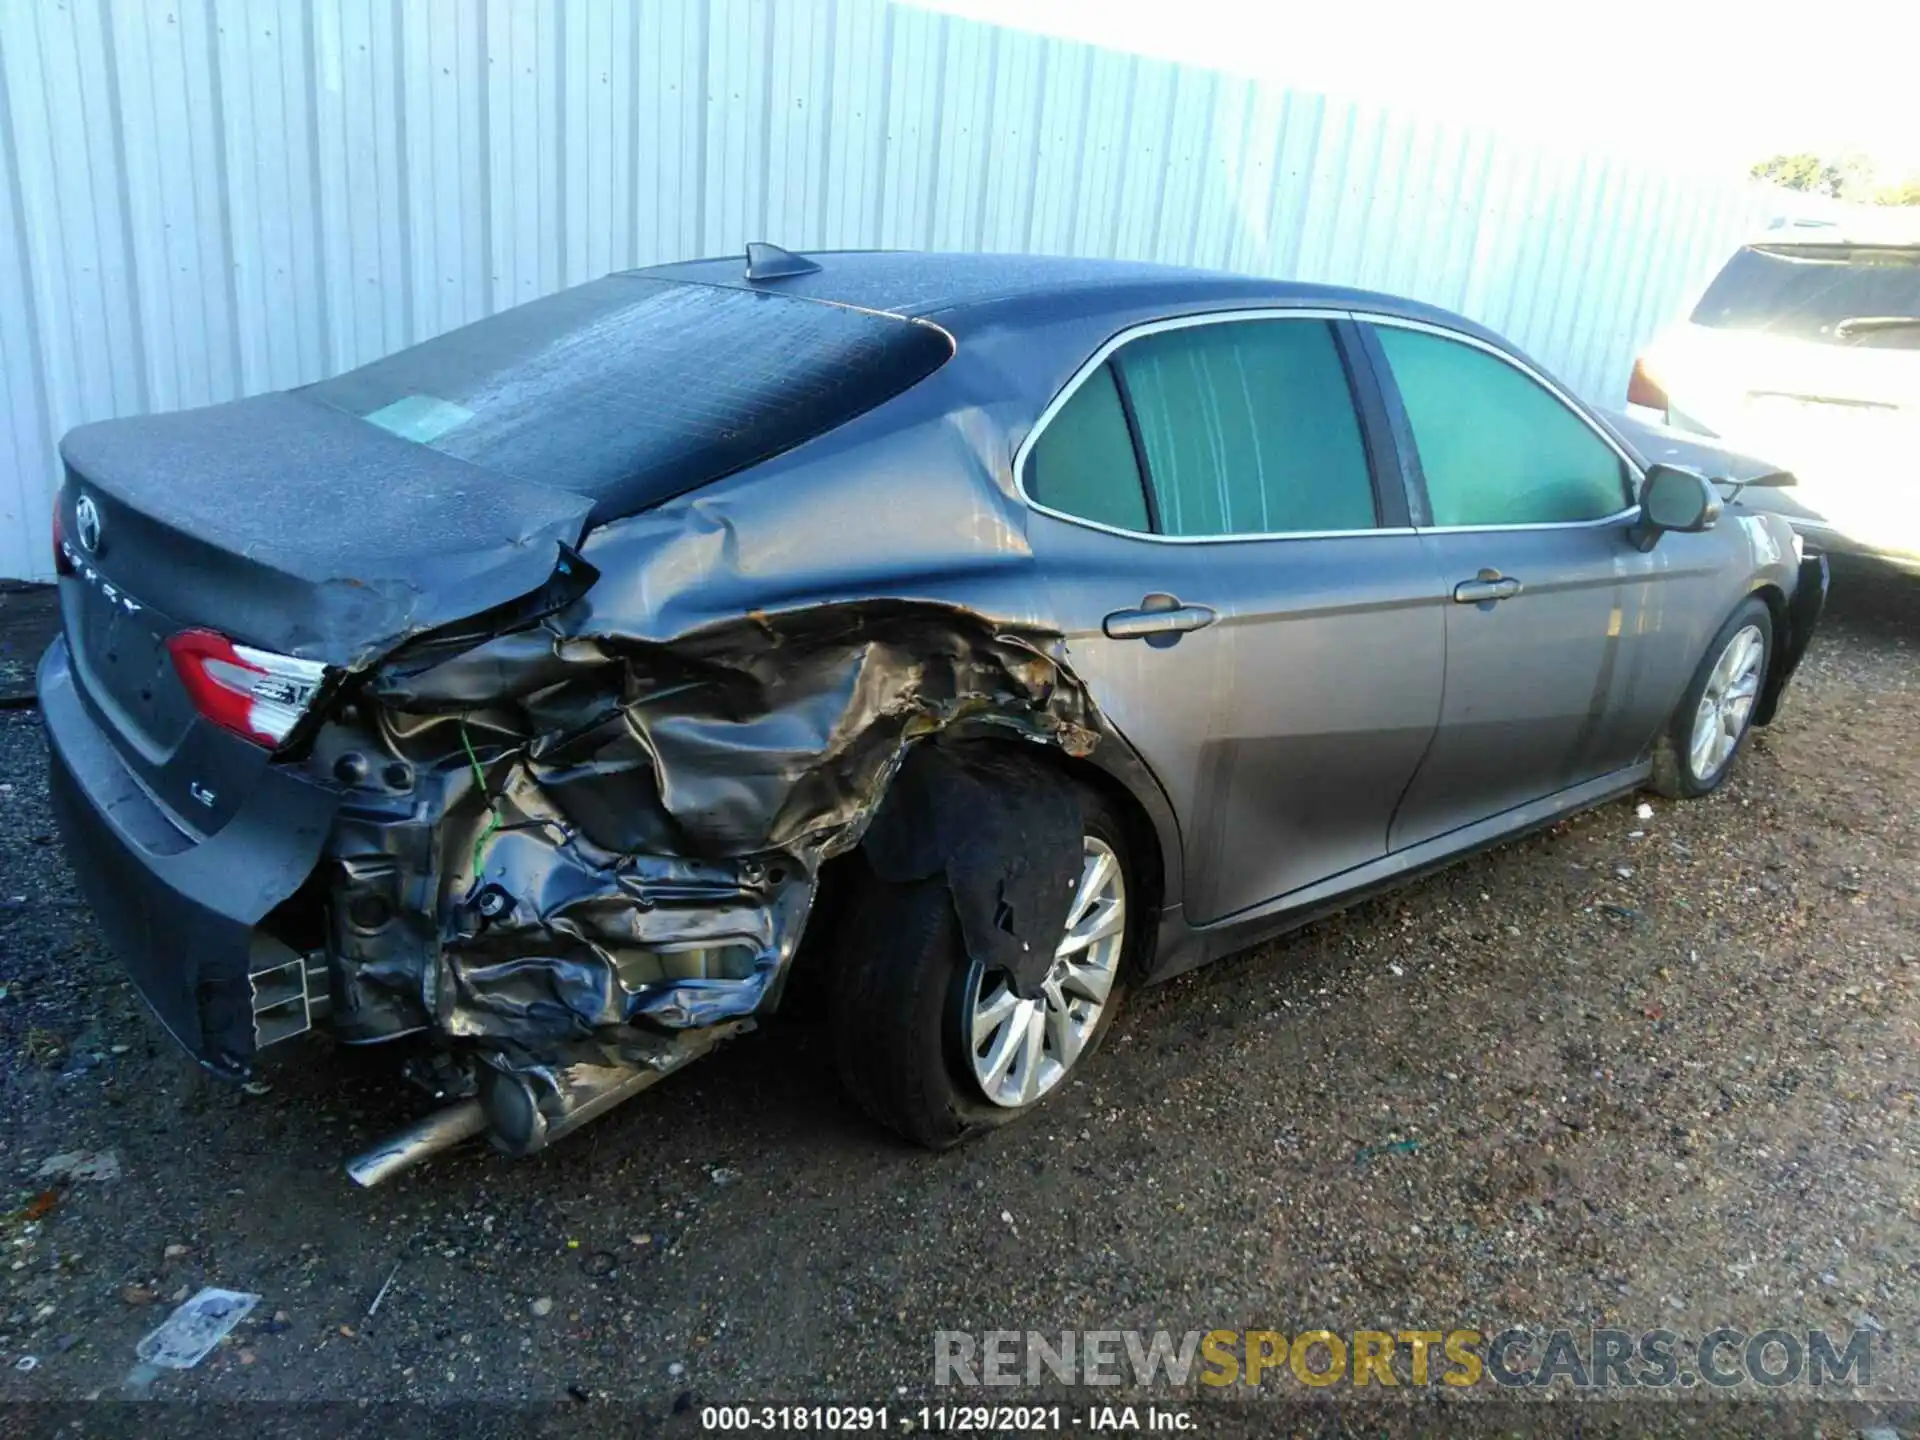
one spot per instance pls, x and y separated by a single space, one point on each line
1674 772
903 985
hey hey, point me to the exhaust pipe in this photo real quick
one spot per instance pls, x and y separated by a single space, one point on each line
528 1110
439 1131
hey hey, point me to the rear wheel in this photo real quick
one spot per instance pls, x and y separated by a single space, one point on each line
936 1047
1716 711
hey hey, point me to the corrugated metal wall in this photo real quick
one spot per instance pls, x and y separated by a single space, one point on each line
203 198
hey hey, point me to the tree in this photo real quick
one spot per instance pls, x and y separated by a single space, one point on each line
1904 192
1804 171
1848 178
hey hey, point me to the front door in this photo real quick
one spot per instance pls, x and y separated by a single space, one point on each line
1532 674
1211 532
1529 512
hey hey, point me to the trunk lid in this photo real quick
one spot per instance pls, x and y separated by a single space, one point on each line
289 527
303 530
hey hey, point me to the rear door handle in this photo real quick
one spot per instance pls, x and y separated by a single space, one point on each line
1487 585
1158 615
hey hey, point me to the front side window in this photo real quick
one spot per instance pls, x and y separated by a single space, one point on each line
1496 446
1248 428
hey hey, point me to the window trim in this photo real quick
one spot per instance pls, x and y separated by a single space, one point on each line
1390 386
1187 322
1125 391
1385 386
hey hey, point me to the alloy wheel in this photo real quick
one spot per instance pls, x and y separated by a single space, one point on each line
1728 699
1022 1049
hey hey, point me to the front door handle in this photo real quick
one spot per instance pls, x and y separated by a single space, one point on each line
1159 617
1487 585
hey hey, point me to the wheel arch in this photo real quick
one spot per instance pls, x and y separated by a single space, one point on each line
1118 776
1146 823
1145 849
1775 599
1794 620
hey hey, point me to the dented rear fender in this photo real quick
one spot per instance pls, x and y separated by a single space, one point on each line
616 816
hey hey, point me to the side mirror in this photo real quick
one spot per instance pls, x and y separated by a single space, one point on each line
1674 498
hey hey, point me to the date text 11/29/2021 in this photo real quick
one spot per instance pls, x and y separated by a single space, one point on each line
948 1419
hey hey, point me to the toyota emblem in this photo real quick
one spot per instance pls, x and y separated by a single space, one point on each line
86 523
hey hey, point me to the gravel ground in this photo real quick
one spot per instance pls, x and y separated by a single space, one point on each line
29 618
1633 1072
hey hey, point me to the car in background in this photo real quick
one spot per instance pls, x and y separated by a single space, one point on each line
1806 349
1016 631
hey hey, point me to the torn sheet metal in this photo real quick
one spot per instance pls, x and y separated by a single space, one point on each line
609 829
559 833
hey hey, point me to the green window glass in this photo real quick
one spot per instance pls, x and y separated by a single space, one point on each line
1249 429
1083 463
1496 446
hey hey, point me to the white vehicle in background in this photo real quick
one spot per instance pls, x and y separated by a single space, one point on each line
1805 350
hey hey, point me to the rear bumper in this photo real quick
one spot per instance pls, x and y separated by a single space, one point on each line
180 913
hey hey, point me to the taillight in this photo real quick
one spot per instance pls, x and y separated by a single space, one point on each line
253 693
62 562
1641 389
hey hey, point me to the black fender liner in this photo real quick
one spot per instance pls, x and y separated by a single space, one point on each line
1803 615
1004 831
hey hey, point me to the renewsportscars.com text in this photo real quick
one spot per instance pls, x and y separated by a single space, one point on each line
1600 1359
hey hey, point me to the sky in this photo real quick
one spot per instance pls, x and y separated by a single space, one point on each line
1704 83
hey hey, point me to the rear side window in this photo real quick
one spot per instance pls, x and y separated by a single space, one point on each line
1496 446
1811 292
631 390
1248 428
1083 463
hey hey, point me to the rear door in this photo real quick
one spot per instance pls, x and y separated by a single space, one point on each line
1561 653
1229 552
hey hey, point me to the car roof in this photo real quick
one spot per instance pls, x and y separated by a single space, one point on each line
915 283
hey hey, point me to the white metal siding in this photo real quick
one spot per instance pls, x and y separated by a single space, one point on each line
205 198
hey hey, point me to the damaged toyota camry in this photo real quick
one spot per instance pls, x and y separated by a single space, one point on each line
1014 632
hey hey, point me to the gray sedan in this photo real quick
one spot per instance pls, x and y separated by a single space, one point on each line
968 639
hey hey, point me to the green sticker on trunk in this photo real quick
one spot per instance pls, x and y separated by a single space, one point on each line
422 419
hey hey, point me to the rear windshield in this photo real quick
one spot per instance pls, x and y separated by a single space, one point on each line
1810 292
630 390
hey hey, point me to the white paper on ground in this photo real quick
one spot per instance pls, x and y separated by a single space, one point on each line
195 1328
